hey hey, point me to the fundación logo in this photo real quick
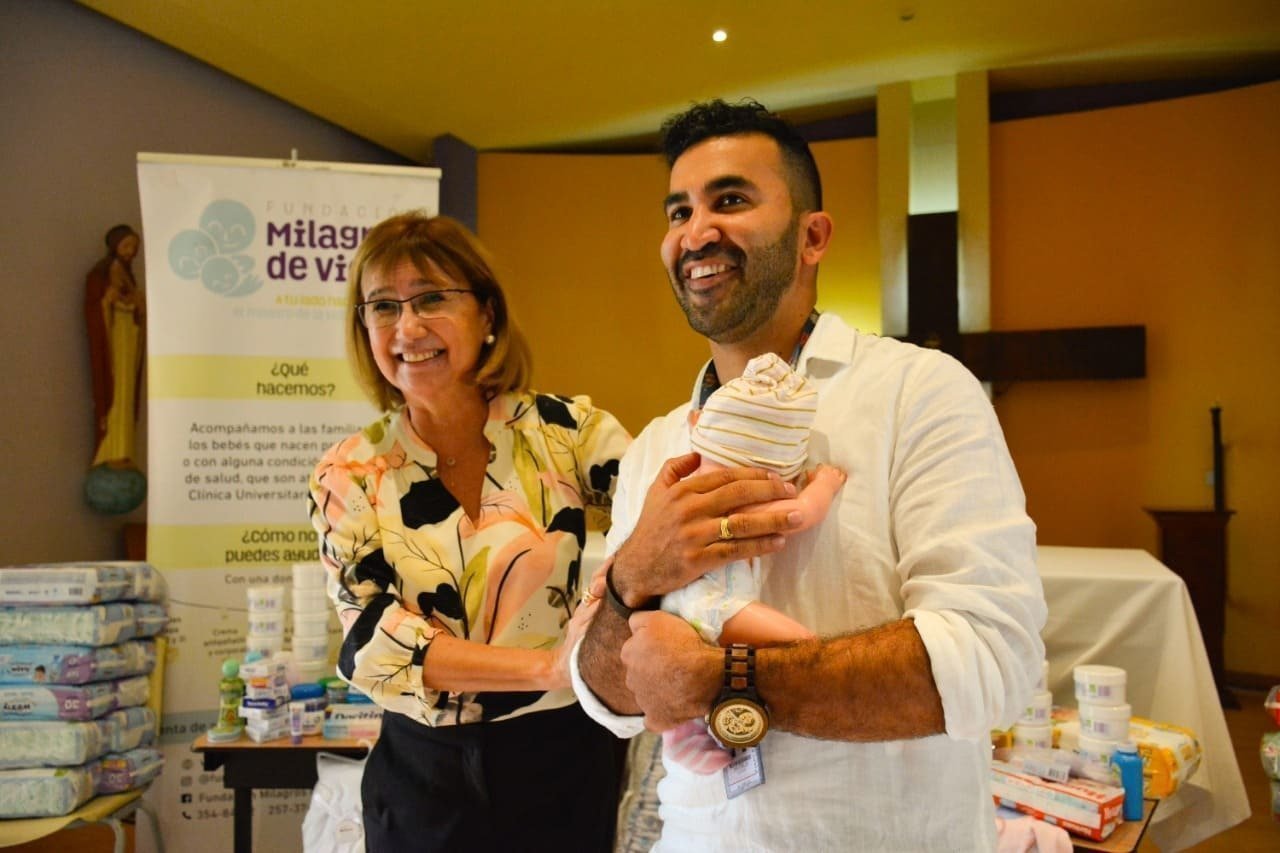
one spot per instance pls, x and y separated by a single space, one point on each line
213 254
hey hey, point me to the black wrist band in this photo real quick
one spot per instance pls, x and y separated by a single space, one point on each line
616 602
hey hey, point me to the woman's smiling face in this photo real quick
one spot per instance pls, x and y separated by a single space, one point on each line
425 357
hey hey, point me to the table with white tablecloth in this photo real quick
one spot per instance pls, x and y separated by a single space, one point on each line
1122 607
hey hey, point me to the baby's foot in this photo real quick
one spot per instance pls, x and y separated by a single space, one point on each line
691 746
825 476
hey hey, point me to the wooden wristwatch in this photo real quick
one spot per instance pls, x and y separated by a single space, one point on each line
739 719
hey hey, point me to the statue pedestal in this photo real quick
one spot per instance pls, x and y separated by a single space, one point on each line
1193 543
135 541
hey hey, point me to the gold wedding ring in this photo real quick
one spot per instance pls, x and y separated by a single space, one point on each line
725 533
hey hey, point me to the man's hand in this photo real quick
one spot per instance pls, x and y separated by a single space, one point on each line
679 535
673 675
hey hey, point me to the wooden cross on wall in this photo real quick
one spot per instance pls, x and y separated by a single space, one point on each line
933 320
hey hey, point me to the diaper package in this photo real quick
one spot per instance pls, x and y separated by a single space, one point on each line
70 664
135 690
45 791
124 771
62 701
93 625
1170 755
66 583
150 618
54 744
146 583
129 728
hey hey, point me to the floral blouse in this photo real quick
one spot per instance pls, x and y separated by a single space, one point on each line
406 564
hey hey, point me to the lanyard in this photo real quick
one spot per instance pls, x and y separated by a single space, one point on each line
711 379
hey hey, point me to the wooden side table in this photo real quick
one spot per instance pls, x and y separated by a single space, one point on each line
273 764
1193 543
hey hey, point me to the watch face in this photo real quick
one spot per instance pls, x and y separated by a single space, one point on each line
739 723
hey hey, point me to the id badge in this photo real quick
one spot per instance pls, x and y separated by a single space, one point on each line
744 772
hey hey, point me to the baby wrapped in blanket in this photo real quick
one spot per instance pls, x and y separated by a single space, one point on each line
762 419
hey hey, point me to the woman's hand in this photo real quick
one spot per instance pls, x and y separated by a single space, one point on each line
573 632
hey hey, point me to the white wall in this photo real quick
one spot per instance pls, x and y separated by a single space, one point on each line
80 95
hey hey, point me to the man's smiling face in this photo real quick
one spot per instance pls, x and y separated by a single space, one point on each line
731 248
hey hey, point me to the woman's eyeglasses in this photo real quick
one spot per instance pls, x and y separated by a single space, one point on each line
379 313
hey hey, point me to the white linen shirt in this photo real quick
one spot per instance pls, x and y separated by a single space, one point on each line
931 525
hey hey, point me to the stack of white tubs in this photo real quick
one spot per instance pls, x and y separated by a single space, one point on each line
75 650
1104 714
266 620
311 616
1035 726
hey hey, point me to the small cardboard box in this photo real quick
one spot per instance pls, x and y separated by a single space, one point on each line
1081 807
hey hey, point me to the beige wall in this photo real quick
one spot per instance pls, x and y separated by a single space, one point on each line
575 238
80 96
1165 214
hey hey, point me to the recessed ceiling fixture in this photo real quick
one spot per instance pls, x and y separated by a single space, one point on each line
719 36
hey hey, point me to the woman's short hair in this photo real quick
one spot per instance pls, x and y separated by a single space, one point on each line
418 237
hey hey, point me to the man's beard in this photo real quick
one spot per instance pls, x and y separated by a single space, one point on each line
764 276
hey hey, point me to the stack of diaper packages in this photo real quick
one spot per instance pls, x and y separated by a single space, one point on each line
76 646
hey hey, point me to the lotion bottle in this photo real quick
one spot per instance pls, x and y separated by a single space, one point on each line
1128 765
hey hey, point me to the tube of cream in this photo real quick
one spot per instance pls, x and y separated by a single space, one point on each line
297 712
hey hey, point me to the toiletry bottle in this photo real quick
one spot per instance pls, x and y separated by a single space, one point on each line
230 695
1128 764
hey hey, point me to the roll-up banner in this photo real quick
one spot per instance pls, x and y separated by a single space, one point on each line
248 382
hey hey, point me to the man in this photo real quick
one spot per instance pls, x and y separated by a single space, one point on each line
921 581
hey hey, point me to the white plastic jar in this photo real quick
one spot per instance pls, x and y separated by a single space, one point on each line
1101 685
1107 722
308 575
311 623
1040 737
266 598
310 649
1038 711
266 622
1095 749
310 599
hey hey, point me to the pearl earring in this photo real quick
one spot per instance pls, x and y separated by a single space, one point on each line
489 339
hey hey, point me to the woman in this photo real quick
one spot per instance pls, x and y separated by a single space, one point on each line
452 529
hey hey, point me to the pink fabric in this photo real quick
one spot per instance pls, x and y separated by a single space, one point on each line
1025 834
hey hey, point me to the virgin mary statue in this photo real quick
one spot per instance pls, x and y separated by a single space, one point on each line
114 316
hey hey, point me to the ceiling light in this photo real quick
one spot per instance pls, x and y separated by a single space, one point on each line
719 36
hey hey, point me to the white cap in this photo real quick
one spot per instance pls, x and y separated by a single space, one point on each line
759 420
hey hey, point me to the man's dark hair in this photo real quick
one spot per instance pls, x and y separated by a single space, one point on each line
717 118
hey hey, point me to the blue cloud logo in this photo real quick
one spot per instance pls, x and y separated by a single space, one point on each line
212 254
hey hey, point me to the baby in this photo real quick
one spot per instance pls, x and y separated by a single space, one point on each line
760 420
